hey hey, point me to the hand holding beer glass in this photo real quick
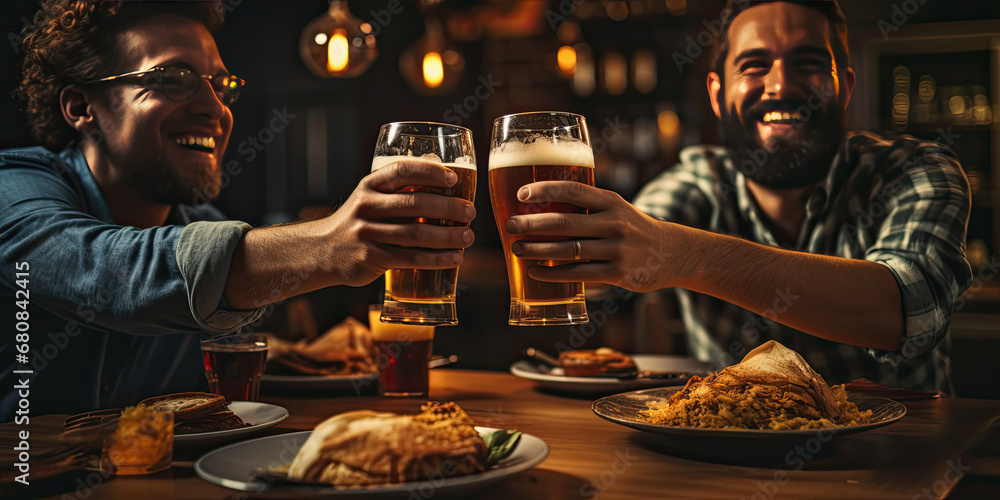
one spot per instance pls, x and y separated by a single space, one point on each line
419 296
526 148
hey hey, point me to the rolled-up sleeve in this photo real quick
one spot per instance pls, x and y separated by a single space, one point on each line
922 241
106 276
204 252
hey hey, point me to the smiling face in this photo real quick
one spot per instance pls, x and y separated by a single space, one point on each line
168 150
782 92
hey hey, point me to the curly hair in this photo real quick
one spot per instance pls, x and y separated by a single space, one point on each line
71 41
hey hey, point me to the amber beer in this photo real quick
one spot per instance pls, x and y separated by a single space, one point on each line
430 286
234 366
402 353
513 165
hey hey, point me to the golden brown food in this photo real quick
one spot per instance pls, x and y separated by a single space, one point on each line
603 362
345 349
365 447
142 441
772 388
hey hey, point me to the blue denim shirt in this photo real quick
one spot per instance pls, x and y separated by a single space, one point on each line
114 313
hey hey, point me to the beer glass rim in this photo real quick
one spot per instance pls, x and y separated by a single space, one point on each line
247 341
583 119
458 129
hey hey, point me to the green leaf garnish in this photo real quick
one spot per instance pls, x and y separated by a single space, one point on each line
499 445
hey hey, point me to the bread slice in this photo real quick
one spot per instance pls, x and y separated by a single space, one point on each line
219 421
188 405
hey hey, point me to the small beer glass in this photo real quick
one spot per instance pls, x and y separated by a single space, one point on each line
234 365
401 354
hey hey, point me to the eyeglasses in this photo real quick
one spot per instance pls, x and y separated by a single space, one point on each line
181 83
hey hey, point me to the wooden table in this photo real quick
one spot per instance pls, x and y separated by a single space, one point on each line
918 457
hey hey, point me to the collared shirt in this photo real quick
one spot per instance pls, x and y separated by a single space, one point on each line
902 203
112 314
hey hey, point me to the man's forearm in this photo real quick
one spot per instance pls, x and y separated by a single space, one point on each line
845 300
275 263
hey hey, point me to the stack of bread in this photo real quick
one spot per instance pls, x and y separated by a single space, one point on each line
197 412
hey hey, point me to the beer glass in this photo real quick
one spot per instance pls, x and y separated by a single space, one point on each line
234 365
426 296
526 148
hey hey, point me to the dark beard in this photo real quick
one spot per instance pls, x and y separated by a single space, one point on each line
785 163
163 184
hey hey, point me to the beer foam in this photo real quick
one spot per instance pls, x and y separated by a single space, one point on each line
542 152
460 162
391 332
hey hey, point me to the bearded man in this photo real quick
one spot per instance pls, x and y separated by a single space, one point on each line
846 247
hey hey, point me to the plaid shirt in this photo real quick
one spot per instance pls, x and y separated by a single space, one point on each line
903 203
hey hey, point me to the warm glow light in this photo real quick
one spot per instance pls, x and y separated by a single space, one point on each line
321 38
617 10
668 123
615 73
584 80
336 51
644 70
566 59
433 70
677 7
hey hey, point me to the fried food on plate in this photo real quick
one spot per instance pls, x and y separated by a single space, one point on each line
772 388
602 362
366 447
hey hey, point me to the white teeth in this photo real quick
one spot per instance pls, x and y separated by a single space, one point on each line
205 142
775 116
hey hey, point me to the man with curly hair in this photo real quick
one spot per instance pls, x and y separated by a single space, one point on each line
117 276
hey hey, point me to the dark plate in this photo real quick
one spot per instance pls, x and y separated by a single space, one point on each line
623 409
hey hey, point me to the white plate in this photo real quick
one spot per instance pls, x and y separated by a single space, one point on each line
359 384
233 465
258 416
537 371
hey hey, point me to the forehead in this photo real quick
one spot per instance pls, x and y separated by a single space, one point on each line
778 27
168 38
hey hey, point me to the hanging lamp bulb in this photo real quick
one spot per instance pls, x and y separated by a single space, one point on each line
431 66
337 44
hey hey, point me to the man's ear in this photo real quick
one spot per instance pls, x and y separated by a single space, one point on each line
848 85
75 104
714 86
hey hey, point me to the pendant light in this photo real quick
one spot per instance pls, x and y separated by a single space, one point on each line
337 44
431 66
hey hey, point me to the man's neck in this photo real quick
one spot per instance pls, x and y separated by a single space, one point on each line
127 205
784 210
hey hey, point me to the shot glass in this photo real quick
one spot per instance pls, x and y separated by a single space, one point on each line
234 365
402 353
